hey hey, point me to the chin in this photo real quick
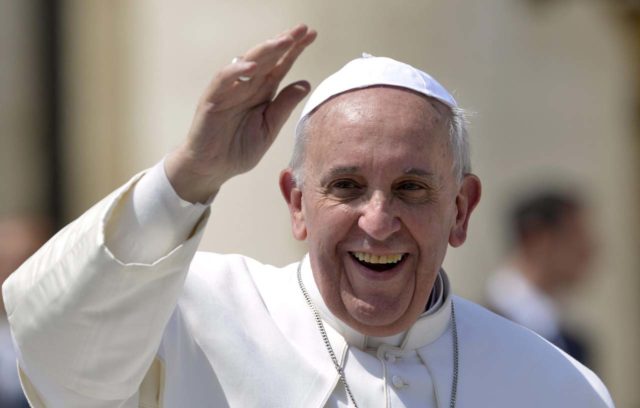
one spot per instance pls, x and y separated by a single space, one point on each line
372 322
382 330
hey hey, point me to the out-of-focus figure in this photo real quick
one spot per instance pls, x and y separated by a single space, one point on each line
552 250
20 237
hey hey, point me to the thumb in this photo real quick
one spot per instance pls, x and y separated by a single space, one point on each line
280 109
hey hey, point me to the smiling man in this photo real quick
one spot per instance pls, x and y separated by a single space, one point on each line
379 201
119 309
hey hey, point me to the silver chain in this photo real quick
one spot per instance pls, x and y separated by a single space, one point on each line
454 380
332 354
325 338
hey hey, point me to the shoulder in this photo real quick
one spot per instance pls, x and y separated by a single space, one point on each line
228 273
523 364
211 264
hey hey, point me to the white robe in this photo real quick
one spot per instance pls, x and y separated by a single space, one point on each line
234 332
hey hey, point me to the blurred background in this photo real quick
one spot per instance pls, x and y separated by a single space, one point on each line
92 92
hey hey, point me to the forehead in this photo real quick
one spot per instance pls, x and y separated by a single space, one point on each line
408 107
379 123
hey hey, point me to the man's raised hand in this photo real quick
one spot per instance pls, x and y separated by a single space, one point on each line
237 119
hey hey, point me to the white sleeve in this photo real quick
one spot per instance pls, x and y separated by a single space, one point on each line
151 220
86 324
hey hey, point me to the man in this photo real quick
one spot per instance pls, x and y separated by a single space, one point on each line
552 252
379 184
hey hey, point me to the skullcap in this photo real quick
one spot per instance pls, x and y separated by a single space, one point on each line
370 71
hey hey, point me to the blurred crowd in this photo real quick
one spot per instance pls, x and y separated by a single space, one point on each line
20 237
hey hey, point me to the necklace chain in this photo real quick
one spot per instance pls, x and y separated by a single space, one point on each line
336 364
456 360
325 338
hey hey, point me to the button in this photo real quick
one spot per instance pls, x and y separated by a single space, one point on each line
390 357
398 382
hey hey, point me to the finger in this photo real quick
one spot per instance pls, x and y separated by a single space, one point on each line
260 60
295 32
286 62
267 54
280 109
229 74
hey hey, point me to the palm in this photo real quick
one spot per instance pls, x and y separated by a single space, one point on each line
237 121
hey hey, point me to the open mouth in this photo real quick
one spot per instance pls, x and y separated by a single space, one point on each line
378 263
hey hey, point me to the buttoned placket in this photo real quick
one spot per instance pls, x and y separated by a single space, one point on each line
406 376
403 377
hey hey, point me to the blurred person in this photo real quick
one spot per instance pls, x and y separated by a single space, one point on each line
20 237
119 309
552 252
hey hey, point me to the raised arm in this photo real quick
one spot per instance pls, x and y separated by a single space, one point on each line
87 321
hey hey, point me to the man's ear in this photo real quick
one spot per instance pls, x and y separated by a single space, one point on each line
466 200
293 196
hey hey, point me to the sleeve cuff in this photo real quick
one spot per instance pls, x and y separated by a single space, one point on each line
151 219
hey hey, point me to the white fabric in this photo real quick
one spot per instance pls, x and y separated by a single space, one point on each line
402 378
370 71
513 296
153 222
10 390
238 333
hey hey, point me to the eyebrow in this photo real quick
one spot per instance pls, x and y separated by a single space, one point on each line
427 176
413 171
343 170
339 171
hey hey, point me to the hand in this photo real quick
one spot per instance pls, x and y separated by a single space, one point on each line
236 121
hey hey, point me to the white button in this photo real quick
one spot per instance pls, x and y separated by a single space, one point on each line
398 382
390 357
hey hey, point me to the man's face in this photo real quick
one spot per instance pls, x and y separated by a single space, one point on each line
378 205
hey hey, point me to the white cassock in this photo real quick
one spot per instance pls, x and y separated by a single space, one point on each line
96 329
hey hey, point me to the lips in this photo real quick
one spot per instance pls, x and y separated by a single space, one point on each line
378 263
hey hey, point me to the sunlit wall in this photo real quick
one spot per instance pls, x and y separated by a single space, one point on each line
552 84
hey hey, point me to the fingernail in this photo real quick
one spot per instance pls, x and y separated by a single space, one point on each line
303 86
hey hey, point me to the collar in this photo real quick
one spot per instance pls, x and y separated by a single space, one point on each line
518 299
429 326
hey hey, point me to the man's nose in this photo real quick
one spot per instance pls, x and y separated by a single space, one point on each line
377 218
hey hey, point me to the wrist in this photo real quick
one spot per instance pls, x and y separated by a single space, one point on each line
192 182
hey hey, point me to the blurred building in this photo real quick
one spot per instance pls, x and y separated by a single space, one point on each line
554 84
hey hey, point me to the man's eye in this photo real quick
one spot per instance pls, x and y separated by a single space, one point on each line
409 186
345 189
413 191
344 185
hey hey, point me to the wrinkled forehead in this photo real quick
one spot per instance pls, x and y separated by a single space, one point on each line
377 124
423 111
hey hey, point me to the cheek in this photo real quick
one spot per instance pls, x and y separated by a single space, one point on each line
329 216
328 226
430 228
431 233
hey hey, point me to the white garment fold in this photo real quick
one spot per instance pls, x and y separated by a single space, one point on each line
235 332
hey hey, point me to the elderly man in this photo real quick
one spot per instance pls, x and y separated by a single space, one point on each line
117 310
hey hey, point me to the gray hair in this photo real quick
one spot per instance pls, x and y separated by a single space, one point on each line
457 123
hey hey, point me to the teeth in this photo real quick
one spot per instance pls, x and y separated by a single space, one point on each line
378 259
